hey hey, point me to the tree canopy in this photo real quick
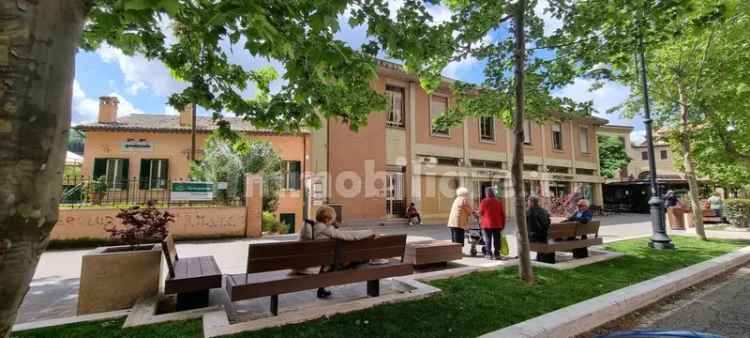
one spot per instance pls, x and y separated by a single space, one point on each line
612 156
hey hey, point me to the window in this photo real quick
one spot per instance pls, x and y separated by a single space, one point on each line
114 170
584 134
558 170
438 105
154 174
487 164
289 220
292 173
644 155
588 172
664 155
527 132
622 140
451 161
557 136
487 128
531 167
396 106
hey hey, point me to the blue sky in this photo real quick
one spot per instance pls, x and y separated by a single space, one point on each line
143 86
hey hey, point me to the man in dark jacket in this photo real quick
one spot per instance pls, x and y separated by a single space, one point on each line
537 220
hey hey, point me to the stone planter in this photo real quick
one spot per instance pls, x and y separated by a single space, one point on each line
676 218
114 278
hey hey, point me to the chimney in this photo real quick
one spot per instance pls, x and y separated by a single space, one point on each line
108 109
186 115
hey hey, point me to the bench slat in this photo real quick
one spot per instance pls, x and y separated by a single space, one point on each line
562 230
290 255
564 245
192 277
258 285
371 248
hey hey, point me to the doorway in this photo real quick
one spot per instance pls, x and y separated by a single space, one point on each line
394 194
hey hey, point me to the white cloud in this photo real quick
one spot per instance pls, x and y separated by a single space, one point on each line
637 137
604 98
141 73
550 23
84 109
169 110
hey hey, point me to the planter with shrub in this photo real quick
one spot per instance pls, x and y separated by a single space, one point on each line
96 190
271 225
115 277
737 212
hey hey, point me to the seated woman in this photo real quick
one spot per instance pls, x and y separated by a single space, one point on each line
582 213
324 229
413 215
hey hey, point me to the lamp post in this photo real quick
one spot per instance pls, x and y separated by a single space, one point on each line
659 238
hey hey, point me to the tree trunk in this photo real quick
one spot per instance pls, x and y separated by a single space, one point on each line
693 191
516 171
38 41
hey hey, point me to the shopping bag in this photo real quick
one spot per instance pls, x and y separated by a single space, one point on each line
504 248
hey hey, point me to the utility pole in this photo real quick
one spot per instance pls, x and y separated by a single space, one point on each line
659 238
192 133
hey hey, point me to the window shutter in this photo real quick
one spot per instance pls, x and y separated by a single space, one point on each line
125 170
295 168
100 168
143 177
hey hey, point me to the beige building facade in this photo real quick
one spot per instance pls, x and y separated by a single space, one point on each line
152 150
400 158
638 169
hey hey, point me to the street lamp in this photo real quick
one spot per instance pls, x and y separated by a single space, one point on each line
659 238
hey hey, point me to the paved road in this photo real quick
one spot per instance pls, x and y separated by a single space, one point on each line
54 289
720 308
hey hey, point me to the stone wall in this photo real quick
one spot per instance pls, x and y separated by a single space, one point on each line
206 222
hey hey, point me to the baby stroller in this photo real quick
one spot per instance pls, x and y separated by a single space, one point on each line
474 237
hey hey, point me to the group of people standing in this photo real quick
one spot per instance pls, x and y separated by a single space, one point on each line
492 218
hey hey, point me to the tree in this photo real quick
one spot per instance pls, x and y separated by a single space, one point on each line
517 85
673 34
612 156
38 42
229 156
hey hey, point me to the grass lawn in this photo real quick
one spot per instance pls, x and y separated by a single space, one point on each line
468 306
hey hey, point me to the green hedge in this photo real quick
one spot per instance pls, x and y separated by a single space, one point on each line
737 212
269 223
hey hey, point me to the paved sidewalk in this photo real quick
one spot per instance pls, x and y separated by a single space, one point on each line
720 309
54 289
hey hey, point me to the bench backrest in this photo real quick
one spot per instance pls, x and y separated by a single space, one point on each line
305 254
290 255
170 253
372 248
565 230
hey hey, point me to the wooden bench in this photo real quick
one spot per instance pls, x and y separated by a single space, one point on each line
271 266
190 278
567 236
423 254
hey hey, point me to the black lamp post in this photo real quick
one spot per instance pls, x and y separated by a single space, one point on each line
659 238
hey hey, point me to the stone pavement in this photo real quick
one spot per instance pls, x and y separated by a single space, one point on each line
54 289
720 309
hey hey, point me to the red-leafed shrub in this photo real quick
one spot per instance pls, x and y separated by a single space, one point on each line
141 225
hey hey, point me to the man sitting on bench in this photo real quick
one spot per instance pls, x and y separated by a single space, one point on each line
324 229
582 214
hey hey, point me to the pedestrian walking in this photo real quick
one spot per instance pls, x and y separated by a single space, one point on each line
492 221
458 220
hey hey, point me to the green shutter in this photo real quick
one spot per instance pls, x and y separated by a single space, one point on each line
166 175
100 168
295 170
143 177
125 170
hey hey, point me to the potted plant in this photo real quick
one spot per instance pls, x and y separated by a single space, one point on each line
97 189
115 277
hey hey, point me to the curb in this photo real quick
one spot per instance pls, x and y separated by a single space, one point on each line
592 313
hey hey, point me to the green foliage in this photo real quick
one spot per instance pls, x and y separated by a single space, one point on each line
612 156
454 312
322 74
229 156
98 185
72 171
737 212
269 223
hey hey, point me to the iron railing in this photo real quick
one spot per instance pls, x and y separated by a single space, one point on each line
80 192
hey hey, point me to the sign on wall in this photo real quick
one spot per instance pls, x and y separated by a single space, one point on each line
192 191
132 144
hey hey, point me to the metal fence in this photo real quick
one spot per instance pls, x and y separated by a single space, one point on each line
80 192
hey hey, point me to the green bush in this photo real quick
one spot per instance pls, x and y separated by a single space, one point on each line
737 212
269 223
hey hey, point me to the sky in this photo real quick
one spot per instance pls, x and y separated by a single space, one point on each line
143 86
